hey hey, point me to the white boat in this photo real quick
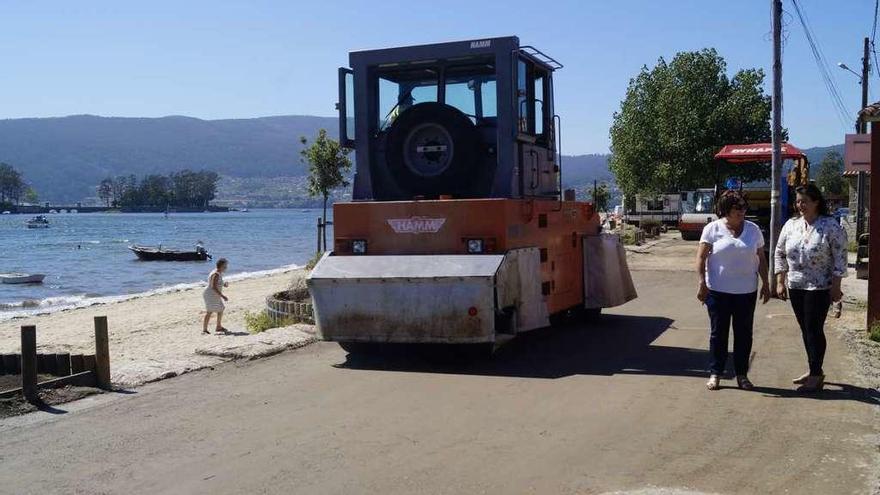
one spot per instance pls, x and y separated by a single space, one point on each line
7 212
38 222
21 278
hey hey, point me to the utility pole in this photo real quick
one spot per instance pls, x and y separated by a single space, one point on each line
776 169
862 128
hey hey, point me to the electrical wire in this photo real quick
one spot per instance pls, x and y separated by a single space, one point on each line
822 64
874 27
874 36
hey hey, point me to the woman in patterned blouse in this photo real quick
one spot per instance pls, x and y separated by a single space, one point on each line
810 262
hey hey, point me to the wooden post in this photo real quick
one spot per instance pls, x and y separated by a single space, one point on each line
102 353
47 364
62 364
29 361
11 363
320 226
874 228
76 364
89 362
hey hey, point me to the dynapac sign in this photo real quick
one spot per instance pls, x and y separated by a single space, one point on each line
416 225
754 151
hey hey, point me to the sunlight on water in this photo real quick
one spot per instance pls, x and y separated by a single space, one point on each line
86 259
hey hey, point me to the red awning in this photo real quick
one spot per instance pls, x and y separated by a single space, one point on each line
758 152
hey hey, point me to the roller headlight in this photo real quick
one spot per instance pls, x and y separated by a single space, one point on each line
475 246
359 246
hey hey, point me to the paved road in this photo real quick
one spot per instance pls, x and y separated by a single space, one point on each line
617 405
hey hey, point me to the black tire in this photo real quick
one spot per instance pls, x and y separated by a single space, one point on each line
689 236
447 170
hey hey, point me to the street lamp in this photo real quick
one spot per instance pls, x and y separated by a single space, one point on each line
844 67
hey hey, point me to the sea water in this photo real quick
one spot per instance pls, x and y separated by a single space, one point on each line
86 259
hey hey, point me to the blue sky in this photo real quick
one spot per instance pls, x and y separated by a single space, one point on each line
217 59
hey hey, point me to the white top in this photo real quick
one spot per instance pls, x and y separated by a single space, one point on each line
732 265
811 254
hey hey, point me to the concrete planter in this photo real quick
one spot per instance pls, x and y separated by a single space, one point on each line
279 307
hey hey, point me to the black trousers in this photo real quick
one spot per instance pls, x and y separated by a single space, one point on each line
811 309
725 308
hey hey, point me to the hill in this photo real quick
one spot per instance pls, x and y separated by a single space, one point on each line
64 158
815 155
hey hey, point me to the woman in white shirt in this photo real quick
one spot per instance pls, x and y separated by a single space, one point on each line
810 262
730 259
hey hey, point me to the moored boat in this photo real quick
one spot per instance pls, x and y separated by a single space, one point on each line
21 278
149 253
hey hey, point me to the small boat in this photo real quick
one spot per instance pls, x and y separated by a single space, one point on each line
38 222
7 212
21 278
148 253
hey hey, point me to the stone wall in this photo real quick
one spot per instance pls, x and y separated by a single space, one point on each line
850 224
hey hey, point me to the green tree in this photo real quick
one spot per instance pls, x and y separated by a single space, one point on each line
328 163
676 116
830 177
105 191
31 196
12 186
600 196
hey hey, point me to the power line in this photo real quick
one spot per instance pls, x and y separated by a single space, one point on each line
822 64
873 36
874 27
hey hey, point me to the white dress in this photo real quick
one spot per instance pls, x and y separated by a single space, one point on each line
213 301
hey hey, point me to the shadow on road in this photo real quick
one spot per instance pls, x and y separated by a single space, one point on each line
614 344
610 345
832 391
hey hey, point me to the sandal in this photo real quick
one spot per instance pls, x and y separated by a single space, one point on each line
743 382
221 330
205 332
813 383
801 379
714 382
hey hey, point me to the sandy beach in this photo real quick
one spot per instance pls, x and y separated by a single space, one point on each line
159 336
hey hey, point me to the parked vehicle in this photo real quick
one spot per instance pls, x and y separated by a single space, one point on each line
459 231
698 210
663 208
795 172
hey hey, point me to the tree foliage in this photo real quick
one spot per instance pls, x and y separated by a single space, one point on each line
185 189
12 186
676 116
328 163
600 196
830 178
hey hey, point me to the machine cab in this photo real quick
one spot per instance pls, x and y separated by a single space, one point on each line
468 119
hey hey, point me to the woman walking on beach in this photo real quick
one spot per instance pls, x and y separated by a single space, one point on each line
214 297
730 259
810 263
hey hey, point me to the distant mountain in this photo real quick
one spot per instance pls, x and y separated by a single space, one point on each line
815 155
64 158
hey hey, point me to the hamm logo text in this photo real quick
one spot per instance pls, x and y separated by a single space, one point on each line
416 225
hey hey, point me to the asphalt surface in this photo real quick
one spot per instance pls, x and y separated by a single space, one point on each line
615 405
